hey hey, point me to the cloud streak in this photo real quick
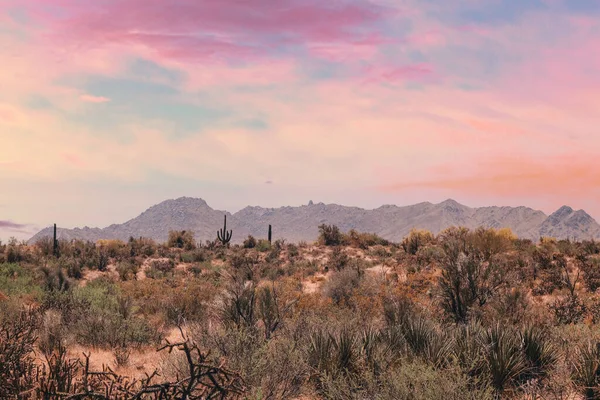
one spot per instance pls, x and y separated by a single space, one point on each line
88 98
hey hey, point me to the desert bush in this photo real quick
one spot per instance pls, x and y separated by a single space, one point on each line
181 240
511 306
341 285
416 380
338 260
415 240
330 235
263 245
364 240
17 340
160 267
590 268
127 270
568 310
55 279
187 303
491 242
466 281
249 242
141 247
16 280
72 266
197 255
427 255
586 371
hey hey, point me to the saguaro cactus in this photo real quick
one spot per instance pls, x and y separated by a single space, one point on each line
270 233
223 235
55 243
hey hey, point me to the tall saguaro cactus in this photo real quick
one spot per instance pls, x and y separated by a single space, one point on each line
223 235
270 233
55 243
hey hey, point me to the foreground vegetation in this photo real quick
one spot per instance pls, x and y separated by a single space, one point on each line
461 315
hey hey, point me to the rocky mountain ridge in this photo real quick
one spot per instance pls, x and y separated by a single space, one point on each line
301 223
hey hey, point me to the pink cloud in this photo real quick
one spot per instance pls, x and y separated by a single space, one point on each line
73 160
88 98
388 74
209 28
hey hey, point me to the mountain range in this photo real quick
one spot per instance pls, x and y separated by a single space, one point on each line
301 223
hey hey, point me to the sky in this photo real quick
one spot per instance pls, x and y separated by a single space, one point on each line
111 106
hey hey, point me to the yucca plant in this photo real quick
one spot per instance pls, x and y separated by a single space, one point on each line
504 360
418 333
320 350
345 351
540 354
467 349
378 350
333 355
586 371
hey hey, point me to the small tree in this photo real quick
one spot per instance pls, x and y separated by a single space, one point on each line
330 235
181 240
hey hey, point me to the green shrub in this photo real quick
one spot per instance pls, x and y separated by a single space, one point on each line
16 280
181 240
330 235
127 270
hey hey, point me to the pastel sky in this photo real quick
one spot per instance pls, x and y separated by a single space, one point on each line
110 106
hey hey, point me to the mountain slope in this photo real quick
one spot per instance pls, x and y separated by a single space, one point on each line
301 223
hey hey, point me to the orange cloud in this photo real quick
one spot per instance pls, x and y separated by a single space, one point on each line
566 178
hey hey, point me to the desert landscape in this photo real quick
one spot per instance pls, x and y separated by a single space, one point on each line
462 314
300 200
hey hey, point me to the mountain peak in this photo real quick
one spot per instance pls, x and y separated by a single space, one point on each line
564 210
301 223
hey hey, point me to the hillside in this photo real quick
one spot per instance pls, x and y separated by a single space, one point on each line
301 223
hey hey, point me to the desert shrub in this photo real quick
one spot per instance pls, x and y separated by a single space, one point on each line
55 280
416 380
108 318
263 245
160 267
568 310
330 235
364 240
590 268
142 247
14 253
466 281
16 280
490 242
17 340
45 246
590 247
187 303
181 240
338 260
250 242
197 255
415 240
511 306
127 270
341 284
427 255
292 251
